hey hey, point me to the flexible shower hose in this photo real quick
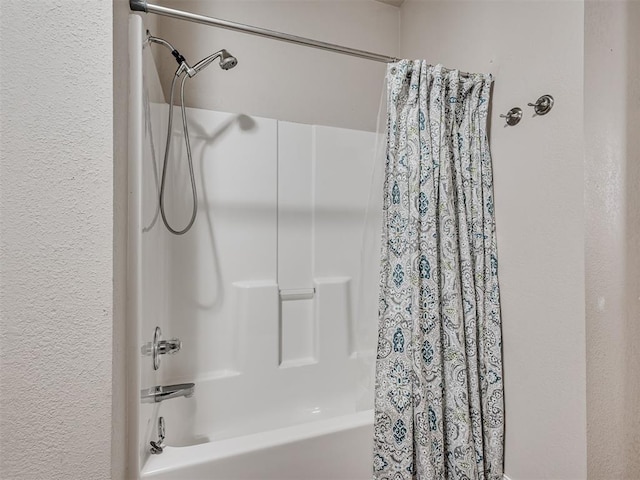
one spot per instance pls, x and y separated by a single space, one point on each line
185 128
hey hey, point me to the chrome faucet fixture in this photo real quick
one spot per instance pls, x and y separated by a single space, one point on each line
169 346
166 392
158 447
160 347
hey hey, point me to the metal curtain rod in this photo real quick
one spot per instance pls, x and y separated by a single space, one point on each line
143 6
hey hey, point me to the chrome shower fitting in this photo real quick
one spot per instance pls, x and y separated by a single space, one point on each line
184 70
176 54
227 61
160 347
158 446
160 393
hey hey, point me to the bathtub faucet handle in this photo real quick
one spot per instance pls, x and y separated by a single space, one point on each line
169 346
160 347
157 447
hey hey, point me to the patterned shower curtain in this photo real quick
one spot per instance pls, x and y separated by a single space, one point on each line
439 394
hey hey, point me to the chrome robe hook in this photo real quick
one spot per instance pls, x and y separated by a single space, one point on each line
543 105
513 116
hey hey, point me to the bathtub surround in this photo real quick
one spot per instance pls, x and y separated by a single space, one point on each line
260 291
439 396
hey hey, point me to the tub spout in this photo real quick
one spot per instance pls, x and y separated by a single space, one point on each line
166 392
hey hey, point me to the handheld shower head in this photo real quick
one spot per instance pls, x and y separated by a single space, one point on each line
227 61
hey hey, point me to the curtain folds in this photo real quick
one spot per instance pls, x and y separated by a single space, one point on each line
439 393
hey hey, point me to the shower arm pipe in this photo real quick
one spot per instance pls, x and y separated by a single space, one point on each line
143 6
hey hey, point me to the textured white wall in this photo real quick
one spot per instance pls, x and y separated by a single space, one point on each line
56 251
532 48
612 175
280 80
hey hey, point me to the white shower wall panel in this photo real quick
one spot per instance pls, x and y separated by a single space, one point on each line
295 205
343 173
263 288
155 268
148 260
233 239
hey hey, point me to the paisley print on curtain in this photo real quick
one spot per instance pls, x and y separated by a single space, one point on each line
439 394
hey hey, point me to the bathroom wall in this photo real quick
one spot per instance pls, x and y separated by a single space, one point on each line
532 48
280 80
612 176
56 244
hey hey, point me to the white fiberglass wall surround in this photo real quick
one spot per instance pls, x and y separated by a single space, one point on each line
262 291
219 288
148 259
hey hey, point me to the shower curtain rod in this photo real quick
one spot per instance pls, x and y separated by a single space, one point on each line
143 6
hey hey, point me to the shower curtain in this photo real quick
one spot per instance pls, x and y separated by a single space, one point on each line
439 394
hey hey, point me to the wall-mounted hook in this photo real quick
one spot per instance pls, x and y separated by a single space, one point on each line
543 105
513 116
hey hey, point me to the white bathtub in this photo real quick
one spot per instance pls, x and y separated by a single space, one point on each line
338 448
